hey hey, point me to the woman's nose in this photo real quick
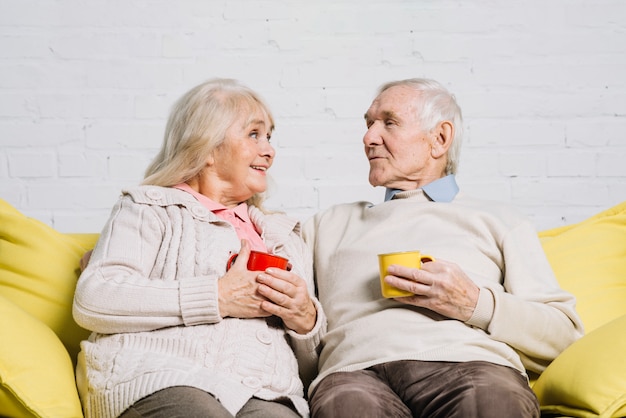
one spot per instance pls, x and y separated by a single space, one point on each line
267 149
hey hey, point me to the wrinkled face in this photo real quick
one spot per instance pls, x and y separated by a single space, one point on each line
398 150
240 163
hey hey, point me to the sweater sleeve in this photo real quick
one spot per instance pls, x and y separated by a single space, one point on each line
116 292
531 313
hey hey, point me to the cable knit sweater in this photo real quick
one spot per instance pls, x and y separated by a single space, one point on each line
149 294
523 319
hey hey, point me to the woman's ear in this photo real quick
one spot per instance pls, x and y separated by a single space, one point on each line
443 136
210 160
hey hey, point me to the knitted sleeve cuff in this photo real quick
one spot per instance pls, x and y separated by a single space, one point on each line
310 341
484 310
198 301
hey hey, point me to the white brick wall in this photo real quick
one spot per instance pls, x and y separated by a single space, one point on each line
85 87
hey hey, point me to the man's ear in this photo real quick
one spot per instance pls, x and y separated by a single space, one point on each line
443 136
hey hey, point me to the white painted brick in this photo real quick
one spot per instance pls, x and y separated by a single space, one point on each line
612 163
153 106
16 106
41 75
17 45
558 191
30 164
14 193
522 163
57 106
475 163
4 170
125 74
29 135
332 166
518 132
491 188
80 44
56 195
124 136
107 106
286 196
596 132
87 221
87 165
571 163
129 168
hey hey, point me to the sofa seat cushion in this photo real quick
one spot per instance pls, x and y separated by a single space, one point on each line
588 379
36 372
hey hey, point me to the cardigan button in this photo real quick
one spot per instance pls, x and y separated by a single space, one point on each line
252 382
154 194
264 336
200 211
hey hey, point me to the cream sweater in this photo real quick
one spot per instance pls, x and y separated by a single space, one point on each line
149 295
523 319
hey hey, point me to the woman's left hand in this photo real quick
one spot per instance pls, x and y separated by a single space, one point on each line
288 298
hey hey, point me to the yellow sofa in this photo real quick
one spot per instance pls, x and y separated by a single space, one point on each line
39 340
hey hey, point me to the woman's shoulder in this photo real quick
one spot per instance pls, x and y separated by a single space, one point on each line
157 195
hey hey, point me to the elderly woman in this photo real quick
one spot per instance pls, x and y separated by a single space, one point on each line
176 333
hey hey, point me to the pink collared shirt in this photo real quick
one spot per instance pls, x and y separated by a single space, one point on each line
237 217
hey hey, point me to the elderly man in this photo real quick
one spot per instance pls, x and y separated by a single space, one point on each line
483 313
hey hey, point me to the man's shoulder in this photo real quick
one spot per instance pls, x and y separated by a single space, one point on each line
504 211
345 209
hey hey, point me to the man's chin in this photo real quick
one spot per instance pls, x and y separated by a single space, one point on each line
375 181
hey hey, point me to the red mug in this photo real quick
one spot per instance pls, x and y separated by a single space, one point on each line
259 261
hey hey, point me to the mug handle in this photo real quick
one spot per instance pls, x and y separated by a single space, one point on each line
427 258
231 260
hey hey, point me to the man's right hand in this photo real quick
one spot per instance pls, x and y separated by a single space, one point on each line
440 286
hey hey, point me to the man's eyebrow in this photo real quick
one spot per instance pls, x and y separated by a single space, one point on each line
386 114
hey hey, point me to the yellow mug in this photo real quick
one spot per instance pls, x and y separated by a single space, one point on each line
413 259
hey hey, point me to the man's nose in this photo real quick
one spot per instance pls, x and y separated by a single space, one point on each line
372 135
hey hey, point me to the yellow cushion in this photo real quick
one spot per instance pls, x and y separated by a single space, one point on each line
39 267
588 379
39 340
36 372
589 260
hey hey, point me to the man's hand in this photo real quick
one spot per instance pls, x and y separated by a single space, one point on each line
440 286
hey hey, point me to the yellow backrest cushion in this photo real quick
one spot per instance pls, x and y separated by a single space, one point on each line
39 267
589 260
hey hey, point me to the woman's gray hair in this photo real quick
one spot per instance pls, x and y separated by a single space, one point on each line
435 105
197 125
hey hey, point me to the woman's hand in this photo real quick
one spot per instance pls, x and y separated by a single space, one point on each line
238 289
286 296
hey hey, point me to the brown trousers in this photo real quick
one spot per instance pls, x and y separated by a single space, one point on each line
406 389
188 402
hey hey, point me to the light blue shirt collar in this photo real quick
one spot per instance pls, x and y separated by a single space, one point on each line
441 190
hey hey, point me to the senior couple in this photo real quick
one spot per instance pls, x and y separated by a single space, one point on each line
177 334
